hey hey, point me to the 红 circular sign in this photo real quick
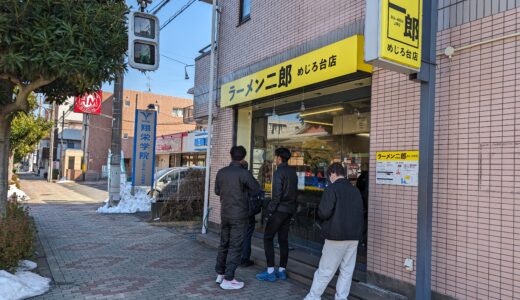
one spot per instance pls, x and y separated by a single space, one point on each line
88 103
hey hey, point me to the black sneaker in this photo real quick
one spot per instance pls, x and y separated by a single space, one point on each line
247 263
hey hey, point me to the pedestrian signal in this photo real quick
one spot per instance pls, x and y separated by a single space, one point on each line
143 41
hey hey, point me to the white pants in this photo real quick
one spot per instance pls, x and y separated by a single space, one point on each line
335 254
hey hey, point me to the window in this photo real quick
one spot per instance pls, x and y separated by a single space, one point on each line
70 145
245 10
127 103
177 112
125 136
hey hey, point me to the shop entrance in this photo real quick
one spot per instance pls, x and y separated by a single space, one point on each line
319 130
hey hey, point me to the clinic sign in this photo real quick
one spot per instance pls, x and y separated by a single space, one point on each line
143 163
88 103
397 168
393 34
332 61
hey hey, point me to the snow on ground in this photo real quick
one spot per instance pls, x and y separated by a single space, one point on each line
63 180
19 193
128 203
23 284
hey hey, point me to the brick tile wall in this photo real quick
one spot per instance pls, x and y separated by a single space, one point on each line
476 219
101 126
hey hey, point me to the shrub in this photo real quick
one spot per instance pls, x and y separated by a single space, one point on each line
187 203
16 235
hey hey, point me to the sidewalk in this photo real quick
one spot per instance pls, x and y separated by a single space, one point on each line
95 256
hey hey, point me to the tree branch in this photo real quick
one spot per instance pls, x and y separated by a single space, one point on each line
21 103
11 78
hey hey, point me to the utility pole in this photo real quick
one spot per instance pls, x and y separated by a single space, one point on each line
51 144
426 142
115 147
205 215
62 151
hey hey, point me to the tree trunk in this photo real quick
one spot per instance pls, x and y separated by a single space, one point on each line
11 166
5 124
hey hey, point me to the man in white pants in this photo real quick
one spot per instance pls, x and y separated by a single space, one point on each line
341 215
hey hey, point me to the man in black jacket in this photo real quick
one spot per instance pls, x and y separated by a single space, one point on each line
280 211
233 184
341 213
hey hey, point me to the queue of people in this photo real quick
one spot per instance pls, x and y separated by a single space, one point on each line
340 213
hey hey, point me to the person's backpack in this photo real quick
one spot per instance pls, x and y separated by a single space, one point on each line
256 202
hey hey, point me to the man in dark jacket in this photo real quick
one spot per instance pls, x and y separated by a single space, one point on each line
233 184
341 213
280 211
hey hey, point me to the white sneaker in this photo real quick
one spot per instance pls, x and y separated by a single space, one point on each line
219 279
231 284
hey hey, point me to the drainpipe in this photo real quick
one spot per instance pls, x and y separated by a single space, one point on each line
205 215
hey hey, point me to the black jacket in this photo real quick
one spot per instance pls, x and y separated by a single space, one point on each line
234 184
285 188
341 212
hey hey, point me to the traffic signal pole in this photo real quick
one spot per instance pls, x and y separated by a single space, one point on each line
115 146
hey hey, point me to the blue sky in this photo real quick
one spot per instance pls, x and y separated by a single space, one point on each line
181 40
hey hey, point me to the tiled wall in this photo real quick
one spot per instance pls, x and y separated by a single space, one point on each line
476 221
275 26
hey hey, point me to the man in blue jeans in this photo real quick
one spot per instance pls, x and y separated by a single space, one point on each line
280 210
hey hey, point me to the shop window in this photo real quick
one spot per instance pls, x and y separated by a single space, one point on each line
245 10
317 133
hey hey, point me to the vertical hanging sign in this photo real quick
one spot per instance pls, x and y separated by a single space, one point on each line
143 163
393 34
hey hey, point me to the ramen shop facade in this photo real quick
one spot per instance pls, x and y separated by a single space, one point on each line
293 75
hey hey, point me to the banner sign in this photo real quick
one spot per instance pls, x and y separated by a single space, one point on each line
143 161
89 103
332 61
397 168
393 34
169 144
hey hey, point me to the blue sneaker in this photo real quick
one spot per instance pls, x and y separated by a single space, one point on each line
264 276
281 275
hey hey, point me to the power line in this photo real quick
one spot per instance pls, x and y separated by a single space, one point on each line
159 6
173 59
180 11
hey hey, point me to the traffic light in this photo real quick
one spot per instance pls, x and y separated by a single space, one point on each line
143 41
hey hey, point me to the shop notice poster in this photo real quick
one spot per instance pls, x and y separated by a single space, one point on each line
397 168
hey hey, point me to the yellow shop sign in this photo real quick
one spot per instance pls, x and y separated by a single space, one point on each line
397 156
393 34
332 61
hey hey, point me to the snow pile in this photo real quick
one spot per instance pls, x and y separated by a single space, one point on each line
63 180
20 195
22 284
128 204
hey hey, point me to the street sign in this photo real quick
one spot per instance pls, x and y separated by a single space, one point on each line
89 103
143 162
393 34
143 41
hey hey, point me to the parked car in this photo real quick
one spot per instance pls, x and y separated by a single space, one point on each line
167 181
